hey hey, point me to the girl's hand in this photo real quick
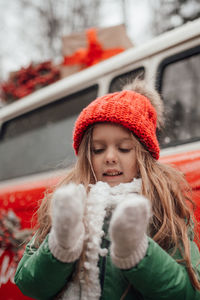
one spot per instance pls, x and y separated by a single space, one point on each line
128 231
67 233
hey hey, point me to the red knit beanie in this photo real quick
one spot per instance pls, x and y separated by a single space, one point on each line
127 108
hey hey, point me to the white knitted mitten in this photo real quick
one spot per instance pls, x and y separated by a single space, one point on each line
127 230
67 233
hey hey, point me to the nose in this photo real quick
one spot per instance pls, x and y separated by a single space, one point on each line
111 156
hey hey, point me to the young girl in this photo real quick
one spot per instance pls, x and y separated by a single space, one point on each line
119 227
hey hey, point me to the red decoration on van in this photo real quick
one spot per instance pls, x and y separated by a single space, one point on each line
93 54
27 80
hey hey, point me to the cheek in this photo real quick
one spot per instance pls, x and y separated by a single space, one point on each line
134 170
96 165
132 166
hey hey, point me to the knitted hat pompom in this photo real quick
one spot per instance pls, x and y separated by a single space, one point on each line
137 108
141 87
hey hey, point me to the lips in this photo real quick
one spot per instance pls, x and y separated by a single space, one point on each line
112 173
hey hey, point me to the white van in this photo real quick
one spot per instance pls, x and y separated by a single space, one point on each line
36 131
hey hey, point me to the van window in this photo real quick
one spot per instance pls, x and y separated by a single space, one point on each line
41 140
119 81
180 88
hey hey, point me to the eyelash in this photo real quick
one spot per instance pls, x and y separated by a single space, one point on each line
123 150
99 151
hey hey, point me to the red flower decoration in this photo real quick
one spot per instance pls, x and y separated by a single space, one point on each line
27 80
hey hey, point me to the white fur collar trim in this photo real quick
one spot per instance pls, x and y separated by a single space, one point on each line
101 198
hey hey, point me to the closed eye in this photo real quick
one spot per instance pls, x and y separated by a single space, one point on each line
125 150
97 151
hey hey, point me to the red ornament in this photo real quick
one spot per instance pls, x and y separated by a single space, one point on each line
93 54
27 80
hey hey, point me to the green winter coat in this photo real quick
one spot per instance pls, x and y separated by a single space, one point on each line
158 276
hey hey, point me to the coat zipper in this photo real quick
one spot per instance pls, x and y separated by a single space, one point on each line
105 244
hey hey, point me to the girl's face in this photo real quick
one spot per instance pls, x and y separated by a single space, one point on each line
113 154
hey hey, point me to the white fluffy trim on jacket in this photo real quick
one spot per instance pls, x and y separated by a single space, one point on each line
101 198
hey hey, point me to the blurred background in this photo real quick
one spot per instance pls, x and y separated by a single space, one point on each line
31 30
